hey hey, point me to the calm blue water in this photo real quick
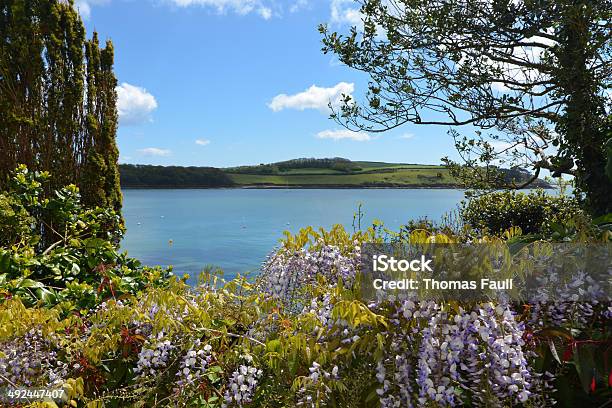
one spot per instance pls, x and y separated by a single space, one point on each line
236 228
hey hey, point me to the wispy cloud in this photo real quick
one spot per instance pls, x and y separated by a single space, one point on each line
298 5
134 104
406 136
341 134
313 98
242 7
346 12
266 9
154 151
202 142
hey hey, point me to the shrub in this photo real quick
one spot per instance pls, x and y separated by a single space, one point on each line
534 212
80 266
235 344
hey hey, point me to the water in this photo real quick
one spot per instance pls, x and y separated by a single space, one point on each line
236 228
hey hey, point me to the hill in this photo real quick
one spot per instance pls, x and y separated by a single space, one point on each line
300 173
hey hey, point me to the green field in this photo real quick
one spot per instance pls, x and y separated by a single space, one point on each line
366 174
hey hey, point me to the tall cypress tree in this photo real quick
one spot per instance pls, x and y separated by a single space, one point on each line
57 99
100 172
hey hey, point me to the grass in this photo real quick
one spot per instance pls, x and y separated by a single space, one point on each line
372 174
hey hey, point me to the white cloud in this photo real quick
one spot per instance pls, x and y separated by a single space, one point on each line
202 142
241 7
298 5
406 136
346 12
84 6
134 104
265 8
265 12
154 151
344 134
313 98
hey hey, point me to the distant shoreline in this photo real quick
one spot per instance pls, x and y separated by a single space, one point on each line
311 187
304 173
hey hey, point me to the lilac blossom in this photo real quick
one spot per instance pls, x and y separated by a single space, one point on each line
242 384
315 389
31 360
154 356
193 365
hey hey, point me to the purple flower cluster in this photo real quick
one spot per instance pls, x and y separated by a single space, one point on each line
321 307
436 354
315 390
30 360
193 365
242 384
285 271
154 356
575 301
446 353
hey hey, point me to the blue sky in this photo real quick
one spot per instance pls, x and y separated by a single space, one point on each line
229 82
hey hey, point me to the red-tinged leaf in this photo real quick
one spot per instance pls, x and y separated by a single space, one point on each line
569 352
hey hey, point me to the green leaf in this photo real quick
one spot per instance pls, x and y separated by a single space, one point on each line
585 365
555 332
75 269
46 295
29 283
604 219
5 262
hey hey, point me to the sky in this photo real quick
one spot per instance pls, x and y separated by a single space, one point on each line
233 82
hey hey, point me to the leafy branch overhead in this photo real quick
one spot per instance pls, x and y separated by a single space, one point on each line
532 73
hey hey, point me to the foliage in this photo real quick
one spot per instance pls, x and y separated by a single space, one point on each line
78 316
335 163
534 212
532 74
144 176
480 167
313 342
81 267
57 100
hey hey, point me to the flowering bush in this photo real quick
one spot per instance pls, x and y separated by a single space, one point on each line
301 335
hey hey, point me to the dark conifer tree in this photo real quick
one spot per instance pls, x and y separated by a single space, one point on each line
57 99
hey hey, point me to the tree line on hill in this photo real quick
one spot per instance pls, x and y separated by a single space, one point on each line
144 176
333 163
